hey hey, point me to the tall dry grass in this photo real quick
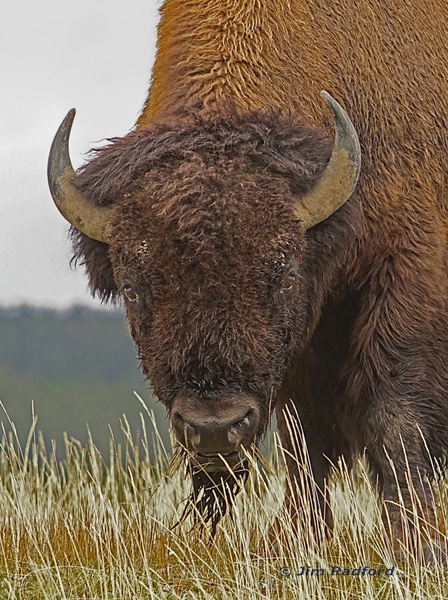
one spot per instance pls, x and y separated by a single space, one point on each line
88 527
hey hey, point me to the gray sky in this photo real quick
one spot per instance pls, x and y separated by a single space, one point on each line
55 55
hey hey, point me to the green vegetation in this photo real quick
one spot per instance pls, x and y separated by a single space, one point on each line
71 368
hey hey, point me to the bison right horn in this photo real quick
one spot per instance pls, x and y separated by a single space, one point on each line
94 221
340 177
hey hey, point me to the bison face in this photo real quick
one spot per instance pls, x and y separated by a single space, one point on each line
201 226
209 272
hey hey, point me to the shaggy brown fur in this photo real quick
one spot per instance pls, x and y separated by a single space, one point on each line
213 493
205 233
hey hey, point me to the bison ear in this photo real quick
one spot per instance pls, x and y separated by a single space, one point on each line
94 256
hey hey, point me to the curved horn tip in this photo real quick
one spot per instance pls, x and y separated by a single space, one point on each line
332 104
328 98
94 221
59 157
69 117
344 128
341 174
66 126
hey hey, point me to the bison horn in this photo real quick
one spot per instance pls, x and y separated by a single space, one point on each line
94 221
339 179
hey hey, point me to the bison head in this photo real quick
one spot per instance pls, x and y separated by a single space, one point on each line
199 226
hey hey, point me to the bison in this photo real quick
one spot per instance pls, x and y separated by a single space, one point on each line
262 267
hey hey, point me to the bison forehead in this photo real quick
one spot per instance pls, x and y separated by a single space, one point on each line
213 225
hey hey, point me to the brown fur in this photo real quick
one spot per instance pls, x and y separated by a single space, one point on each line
204 225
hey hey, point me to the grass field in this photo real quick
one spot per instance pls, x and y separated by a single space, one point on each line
81 529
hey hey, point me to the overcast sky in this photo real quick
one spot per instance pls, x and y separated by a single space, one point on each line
55 55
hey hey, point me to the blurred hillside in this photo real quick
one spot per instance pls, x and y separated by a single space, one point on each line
78 366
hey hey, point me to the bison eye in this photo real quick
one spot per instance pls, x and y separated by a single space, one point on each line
289 283
129 292
290 280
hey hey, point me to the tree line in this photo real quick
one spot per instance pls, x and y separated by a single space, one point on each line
75 370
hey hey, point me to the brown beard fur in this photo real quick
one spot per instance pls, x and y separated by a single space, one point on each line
213 494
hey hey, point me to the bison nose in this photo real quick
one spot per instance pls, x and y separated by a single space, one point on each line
211 434
214 436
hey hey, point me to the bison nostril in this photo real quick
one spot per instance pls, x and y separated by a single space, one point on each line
191 434
178 417
236 427
188 434
245 422
237 431
194 436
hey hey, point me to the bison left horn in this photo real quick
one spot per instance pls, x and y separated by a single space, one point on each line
94 221
340 177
